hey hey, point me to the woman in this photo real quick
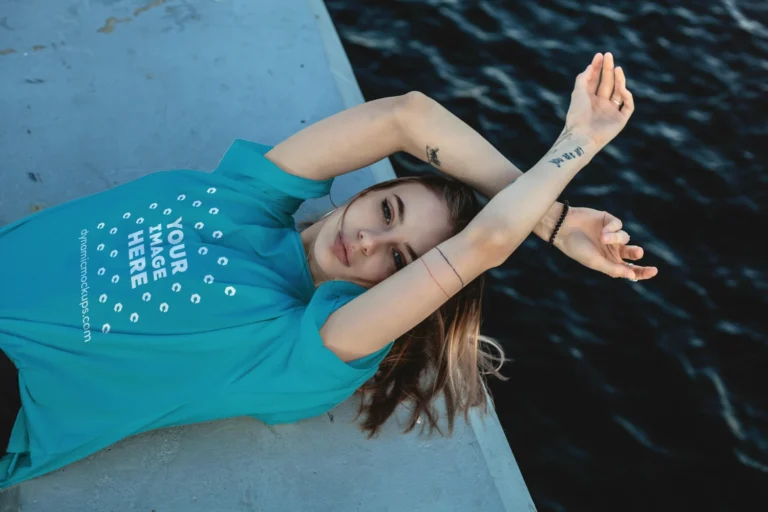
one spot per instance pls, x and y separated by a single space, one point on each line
186 296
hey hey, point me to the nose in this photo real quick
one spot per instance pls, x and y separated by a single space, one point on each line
371 240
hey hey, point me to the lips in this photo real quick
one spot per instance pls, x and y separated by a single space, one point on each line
340 250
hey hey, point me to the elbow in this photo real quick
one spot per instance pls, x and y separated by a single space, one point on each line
414 101
409 108
493 245
499 249
415 96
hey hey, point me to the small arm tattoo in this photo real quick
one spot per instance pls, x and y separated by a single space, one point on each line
568 155
432 156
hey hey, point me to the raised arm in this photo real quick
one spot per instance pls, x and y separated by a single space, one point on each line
400 302
462 152
591 237
364 134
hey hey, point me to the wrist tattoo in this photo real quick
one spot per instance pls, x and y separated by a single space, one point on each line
432 156
568 155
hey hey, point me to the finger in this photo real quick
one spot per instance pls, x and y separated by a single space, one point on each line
613 224
620 82
605 89
594 79
631 252
642 273
621 90
618 270
619 237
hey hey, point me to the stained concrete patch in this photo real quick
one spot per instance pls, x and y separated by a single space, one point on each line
9 499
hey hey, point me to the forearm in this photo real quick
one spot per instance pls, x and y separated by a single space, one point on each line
434 135
513 213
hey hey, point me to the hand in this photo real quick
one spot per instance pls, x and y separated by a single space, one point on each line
601 105
595 239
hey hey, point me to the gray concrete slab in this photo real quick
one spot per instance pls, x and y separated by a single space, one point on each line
97 93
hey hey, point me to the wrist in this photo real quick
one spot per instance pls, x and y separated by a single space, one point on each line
582 137
547 224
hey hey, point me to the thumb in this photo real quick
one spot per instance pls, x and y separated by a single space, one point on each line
582 79
611 223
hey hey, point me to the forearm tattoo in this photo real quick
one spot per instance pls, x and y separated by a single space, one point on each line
432 156
564 155
568 155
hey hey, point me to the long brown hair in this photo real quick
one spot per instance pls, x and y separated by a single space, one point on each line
445 353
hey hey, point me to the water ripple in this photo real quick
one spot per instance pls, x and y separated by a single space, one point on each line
748 461
607 12
639 435
726 409
751 26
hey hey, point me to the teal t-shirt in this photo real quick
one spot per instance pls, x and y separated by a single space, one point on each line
180 297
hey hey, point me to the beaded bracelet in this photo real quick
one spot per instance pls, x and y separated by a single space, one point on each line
557 227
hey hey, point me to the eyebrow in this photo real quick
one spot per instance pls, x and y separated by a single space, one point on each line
401 216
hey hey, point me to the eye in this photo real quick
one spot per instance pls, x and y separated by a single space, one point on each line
387 211
398 260
396 256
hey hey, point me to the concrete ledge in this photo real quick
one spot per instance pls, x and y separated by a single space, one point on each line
167 85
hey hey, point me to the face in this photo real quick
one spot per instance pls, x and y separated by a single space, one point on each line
379 236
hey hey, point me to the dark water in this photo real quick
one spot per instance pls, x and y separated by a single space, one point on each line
623 396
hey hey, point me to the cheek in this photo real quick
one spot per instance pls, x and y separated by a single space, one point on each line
376 270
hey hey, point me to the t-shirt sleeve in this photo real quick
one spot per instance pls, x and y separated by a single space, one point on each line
279 192
316 379
329 297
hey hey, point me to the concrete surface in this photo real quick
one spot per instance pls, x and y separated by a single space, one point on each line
97 93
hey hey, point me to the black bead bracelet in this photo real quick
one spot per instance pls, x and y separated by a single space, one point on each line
559 223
